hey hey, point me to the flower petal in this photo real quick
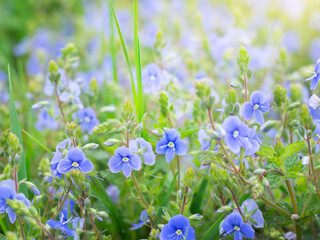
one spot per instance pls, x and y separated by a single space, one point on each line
190 234
53 224
258 116
180 147
86 166
22 198
247 231
179 222
161 146
115 163
64 166
12 215
171 135
167 232
247 111
135 162
149 158
126 170
169 154
257 97
232 143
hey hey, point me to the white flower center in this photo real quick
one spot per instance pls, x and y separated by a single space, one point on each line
75 164
236 228
256 106
171 144
152 77
179 232
125 159
235 134
87 119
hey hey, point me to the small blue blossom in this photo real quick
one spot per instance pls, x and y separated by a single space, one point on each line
62 224
75 159
7 191
143 219
113 192
171 144
314 101
234 224
178 228
152 78
255 107
145 148
315 77
35 190
72 94
204 140
61 149
77 224
236 134
252 212
45 121
124 160
87 119
254 140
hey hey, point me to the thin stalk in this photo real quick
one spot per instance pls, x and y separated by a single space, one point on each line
65 197
276 207
113 49
16 188
44 229
94 226
314 175
236 201
295 207
82 216
245 88
307 203
184 200
59 102
179 169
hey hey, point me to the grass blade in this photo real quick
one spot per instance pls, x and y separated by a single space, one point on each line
124 49
213 232
198 196
34 139
15 128
113 48
112 210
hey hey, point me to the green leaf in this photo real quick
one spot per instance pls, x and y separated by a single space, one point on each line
15 128
274 179
243 198
313 206
166 197
99 192
124 49
198 196
213 232
292 149
292 163
37 141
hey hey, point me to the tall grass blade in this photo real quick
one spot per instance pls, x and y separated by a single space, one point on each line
113 48
15 128
213 233
37 141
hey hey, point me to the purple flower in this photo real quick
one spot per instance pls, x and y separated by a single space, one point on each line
152 78
62 224
254 140
45 121
75 159
177 228
236 134
234 224
124 160
171 144
7 191
256 106
143 219
142 146
87 119
315 77
252 212
204 140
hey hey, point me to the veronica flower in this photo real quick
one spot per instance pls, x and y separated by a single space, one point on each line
62 224
142 146
143 219
177 228
124 160
7 191
61 149
204 140
152 78
234 224
252 212
255 107
75 159
72 95
77 223
45 121
236 134
87 119
315 77
254 140
314 101
171 144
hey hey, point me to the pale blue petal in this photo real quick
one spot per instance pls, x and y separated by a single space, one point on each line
115 164
169 154
64 166
247 111
180 147
86 166
126 170
258 116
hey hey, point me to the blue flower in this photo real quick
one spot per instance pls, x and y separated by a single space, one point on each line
87 119
7 191
315 77
124 160
75 159
142 146
45 121
171 144
72 94
252 212
236 134
62 224
256 106
254 140
234 224
113 192
204 140
77 223
152 78
143 219
178 228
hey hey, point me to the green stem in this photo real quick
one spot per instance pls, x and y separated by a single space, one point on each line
179 169
295 207
315 177
307 203
276 207
113 49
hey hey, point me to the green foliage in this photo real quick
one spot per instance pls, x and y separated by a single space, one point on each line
280 96
213 233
